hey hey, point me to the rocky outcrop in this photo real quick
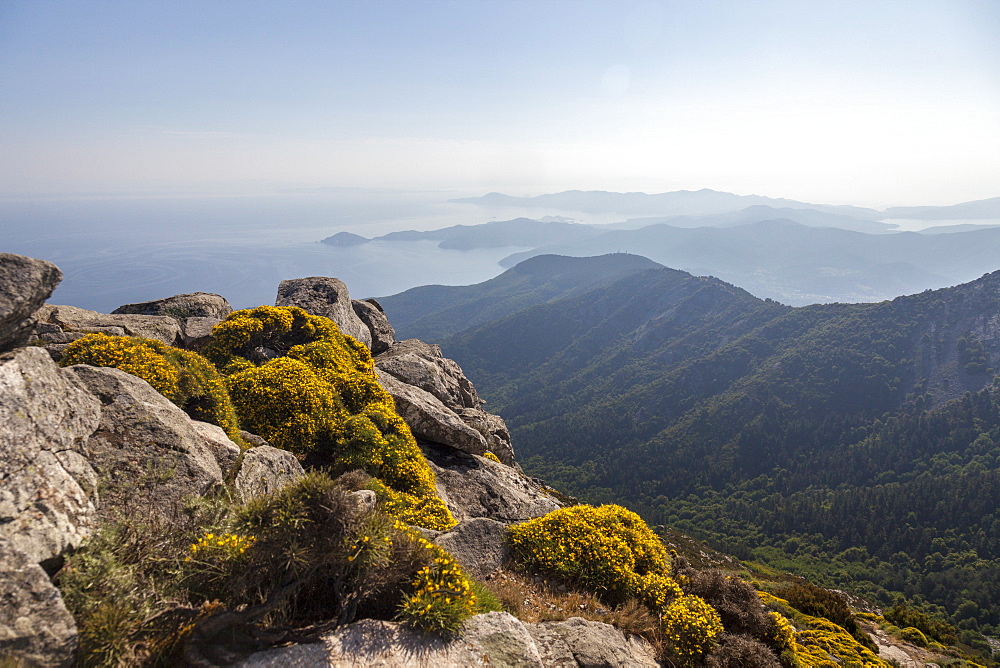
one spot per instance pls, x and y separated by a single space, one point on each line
35 626
429 419
422 366
327 297
479 545
474 486
46 484
371 314
265 470
579 642
223 449
145 449
493 639
71 323
25 284
196 332
195 304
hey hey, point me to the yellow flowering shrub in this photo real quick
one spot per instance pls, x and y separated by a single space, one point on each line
442 596
184 377
608 548
222 546
492 457
238 340
690 625
287 403
321 400
813 640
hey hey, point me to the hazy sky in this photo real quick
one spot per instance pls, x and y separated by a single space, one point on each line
872 103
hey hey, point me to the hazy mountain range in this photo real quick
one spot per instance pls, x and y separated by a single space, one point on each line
706 201
793 252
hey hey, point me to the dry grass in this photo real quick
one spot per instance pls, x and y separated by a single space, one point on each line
536 599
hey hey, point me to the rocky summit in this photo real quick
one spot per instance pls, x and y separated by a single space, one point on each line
185 484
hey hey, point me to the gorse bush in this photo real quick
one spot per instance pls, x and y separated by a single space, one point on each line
321 399
818 602
443 596
607 548
163 590
811 641
304 554
612 550
184 377
689 627
251 336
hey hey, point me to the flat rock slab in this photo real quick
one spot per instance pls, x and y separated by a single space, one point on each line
493 639
474 486
193 305
429 419
479 545
71 319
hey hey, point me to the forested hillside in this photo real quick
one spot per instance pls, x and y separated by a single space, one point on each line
857 442
433 312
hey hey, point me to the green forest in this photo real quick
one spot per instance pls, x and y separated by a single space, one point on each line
857 444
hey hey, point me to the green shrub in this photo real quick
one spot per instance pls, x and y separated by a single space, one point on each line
914 635
308 554
819 602
184 377
904 615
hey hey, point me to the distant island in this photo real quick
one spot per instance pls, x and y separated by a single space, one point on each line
345 239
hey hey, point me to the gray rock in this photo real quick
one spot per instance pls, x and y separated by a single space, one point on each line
266 470
45 420
493 639
71 319
197 331
370 312
226 452
579 642
146 450
423 366
474 486
478 544
25 284
195 304
429 419
253 439
365 499
327 297
35 627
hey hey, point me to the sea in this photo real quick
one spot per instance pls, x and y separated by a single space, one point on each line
120 249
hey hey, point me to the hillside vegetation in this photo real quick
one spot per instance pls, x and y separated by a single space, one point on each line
855 442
